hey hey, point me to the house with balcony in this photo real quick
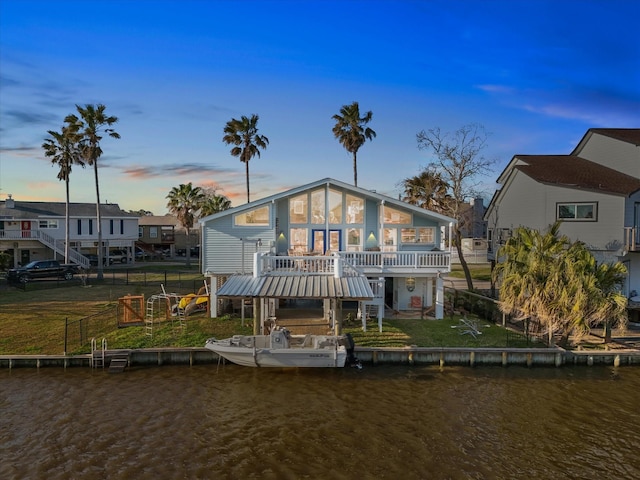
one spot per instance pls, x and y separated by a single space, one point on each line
594 191
330 242
36 231
157 234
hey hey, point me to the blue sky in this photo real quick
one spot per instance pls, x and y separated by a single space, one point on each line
536 74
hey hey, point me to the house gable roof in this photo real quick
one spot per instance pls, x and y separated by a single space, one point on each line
31 210
330 182
574 172
158 220
567 171
627 135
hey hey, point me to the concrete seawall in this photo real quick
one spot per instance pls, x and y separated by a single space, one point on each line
530 357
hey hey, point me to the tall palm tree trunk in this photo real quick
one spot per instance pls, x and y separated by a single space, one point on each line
355 170
99 226
188 247
66 222
247 170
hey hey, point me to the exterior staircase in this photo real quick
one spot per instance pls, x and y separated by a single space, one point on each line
58 248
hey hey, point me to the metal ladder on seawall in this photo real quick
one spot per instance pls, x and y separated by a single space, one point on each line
97 359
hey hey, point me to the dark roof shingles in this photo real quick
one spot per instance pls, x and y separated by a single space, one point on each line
575 172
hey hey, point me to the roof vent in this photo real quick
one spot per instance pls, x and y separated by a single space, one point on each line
9 203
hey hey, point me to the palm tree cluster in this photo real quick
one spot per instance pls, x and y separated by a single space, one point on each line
188 203
64 150
350 129
78 142
559 284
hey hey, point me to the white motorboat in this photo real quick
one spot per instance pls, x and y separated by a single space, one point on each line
281 349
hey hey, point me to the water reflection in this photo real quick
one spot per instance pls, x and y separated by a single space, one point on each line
379 422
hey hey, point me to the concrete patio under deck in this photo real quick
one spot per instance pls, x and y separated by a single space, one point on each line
305 319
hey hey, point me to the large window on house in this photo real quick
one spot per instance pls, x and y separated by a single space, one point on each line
355 209
47 224
391 215
390 237
418 235
153 232
298 208
299 240
140 232
581 212
335 206
258 217
317 207
354 239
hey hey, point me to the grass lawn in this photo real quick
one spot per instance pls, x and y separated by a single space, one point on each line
33 322
480 271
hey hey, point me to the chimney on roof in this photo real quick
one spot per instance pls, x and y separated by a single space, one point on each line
9 203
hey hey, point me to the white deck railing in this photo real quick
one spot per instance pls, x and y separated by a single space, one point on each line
356 263
57 245
631 239
398 260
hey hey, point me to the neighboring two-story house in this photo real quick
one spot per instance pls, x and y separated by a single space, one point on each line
594 191
36 230
157 234
329 241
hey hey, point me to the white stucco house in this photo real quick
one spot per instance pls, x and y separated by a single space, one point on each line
327 241
594 191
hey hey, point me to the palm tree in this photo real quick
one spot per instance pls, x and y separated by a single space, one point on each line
184 202
530 262
351 131
64 150
559 284
243 134
213 204
427 190
92 124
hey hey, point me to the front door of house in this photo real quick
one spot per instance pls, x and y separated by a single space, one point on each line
25 226
319 245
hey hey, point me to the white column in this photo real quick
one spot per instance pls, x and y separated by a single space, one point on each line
439 298
257 263
337 267
213 298
429 296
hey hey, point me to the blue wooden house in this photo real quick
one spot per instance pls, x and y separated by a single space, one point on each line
331 242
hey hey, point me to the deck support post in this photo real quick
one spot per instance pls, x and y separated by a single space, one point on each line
338 316
439 298
257 316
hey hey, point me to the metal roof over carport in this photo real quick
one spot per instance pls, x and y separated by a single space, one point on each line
297 286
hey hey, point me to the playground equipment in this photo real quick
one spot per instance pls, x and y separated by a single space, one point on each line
175 307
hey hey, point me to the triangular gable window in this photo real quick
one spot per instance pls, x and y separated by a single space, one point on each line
258 217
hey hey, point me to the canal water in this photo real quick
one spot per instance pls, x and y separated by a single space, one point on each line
382 422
